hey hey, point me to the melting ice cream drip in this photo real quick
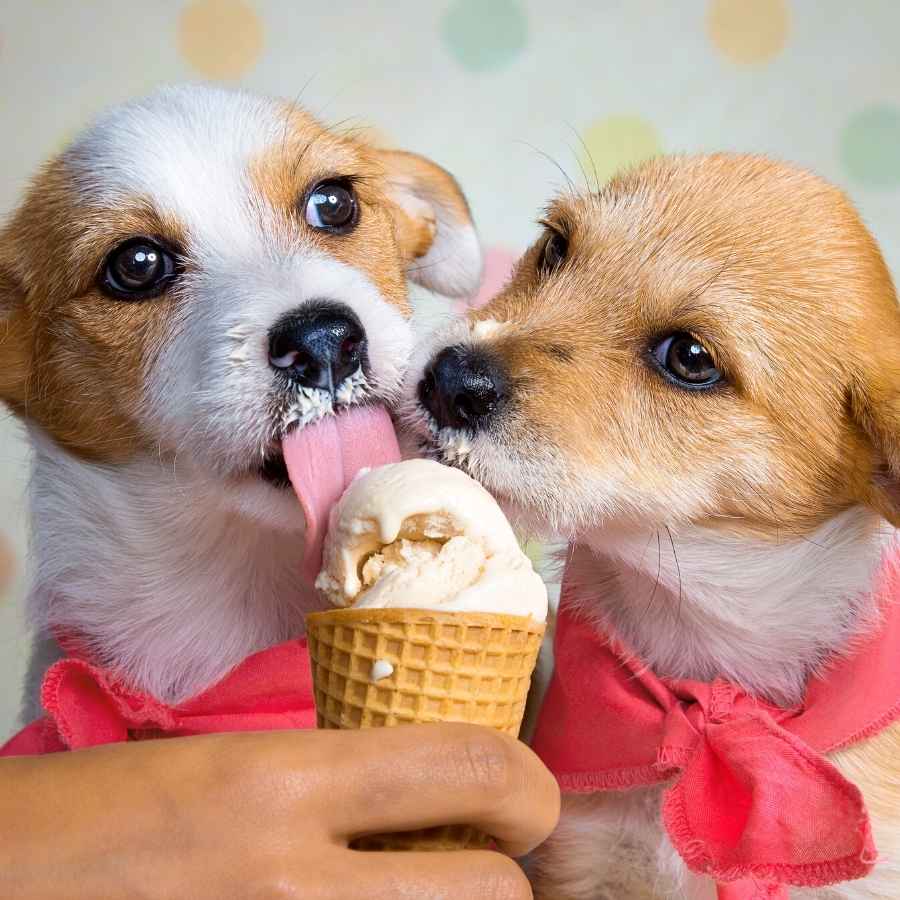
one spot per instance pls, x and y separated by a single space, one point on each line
381 669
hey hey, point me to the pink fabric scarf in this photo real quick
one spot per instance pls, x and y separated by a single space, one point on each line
753 802
87 705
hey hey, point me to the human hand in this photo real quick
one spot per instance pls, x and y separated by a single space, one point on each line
270 815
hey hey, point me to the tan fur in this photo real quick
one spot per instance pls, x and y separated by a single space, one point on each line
74 360
396 225
676 245
558 870
773 270
874 767
406 174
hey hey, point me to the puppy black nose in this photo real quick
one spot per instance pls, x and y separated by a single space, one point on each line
463 387
319 345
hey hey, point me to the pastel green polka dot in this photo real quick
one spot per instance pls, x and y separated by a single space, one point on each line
485 34
870 146
616 143
535 552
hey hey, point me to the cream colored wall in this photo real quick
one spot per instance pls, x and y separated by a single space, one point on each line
13 646
487 87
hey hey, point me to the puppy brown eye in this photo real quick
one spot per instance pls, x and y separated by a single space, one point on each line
684 360
556 247
138 269
331 206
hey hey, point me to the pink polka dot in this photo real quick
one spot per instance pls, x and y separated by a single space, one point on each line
498 264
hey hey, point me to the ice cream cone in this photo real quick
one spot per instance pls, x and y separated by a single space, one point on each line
382 667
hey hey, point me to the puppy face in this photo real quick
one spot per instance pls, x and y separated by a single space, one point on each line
712 340
203 270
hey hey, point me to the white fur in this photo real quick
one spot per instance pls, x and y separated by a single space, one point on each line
174 574
635 860
485 329
693 603
186 149
183 561
210 389
452 265
211 394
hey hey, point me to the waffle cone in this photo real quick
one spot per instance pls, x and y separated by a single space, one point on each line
447 667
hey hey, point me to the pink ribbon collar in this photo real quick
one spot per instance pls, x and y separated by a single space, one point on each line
752 801
88 705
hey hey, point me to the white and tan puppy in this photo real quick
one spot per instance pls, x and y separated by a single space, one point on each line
198 273
695 375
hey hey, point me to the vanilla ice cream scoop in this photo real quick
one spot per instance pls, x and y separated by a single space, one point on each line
419 535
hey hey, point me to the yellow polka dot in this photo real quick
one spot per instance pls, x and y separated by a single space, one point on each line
616 143
748 31
220 38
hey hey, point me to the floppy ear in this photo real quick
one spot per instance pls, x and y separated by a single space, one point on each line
14 354
433 224
876 407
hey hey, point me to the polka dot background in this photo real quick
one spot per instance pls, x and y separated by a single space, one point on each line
7 563
617 142
870 146
220 38
748 33
485 35
498 263
503 93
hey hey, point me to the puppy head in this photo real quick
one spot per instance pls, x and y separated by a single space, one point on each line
204 269
710 340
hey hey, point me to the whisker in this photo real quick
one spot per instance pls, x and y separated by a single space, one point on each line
553 162
656 583
595 195
431 265
678 568
294 104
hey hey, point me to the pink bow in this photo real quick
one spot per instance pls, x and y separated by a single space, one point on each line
753 801
87 705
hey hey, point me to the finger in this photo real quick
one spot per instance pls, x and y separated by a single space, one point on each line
418 776
454 875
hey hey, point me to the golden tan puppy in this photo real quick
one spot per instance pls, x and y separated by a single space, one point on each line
694 377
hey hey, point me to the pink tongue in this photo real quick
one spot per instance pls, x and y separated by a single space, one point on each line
322 460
